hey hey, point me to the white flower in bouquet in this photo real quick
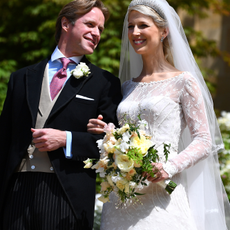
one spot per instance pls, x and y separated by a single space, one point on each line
126 154
88 163
126 136
101 172
124 163
143 124
132 184
123 129
123 146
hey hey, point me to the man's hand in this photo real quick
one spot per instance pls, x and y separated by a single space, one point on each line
48 139
96 126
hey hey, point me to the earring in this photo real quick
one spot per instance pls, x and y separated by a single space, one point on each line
162 39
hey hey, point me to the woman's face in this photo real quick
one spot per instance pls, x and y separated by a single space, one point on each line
143 34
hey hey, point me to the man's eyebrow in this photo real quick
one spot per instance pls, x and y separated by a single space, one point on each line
102 27
90 20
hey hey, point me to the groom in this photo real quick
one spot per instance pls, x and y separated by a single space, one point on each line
44 139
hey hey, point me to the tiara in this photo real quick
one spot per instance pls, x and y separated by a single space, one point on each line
150 3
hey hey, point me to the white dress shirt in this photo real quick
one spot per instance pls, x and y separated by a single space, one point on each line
54 65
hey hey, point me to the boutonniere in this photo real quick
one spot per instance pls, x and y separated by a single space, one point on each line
81 70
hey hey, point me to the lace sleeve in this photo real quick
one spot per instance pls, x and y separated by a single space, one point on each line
195 116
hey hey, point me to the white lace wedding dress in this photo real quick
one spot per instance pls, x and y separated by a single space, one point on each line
168 106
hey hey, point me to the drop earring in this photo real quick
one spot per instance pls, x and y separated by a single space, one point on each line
162 39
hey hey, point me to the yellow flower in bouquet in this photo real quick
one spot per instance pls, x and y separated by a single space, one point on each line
123 129
104 199
109 147
126 154
123 184
141 142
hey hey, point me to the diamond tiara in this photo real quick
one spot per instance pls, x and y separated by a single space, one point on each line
150 3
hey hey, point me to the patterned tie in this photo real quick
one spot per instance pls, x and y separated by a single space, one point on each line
59 78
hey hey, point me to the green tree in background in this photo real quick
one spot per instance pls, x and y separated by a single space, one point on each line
27 34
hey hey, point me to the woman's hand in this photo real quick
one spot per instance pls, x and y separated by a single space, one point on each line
96 126
160 173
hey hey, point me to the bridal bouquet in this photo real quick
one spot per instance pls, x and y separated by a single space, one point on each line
127 154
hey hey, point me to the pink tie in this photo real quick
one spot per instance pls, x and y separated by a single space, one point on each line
59 78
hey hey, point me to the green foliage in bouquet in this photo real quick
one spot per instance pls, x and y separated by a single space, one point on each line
126 159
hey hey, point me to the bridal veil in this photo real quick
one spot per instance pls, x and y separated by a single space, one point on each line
207 197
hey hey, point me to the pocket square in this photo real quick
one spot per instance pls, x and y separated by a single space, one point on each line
85 98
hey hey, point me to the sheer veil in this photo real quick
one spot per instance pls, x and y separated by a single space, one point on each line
207 197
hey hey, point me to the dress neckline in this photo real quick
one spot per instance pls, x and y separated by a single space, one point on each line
156 82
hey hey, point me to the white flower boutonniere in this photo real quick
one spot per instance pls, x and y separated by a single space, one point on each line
81 70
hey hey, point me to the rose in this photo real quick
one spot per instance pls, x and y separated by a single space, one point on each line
124 163
80 70
142 143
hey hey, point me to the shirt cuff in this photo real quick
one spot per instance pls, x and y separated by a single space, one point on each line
68 148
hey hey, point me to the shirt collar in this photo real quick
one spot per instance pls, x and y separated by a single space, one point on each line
58 54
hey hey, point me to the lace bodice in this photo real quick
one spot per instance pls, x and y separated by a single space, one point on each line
169 106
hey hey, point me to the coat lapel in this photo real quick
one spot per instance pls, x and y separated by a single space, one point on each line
71 88
34 76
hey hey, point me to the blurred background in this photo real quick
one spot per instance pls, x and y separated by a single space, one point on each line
27 36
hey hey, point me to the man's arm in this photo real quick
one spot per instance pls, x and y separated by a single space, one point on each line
48 139
5 127
84 144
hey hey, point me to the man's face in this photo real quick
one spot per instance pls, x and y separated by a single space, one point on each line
83 37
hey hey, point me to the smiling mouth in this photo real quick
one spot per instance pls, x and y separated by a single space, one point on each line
138 42
91 41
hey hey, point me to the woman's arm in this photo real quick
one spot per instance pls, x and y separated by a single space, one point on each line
195 115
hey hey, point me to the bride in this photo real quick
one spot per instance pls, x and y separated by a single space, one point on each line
164 84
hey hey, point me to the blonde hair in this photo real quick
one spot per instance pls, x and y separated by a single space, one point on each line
160 23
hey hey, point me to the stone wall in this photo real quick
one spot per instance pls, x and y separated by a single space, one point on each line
215 27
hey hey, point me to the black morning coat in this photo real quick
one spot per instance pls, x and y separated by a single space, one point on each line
69 113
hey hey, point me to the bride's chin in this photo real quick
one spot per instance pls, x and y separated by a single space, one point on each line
138 50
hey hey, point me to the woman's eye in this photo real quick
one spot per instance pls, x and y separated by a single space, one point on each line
130 27
144 25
